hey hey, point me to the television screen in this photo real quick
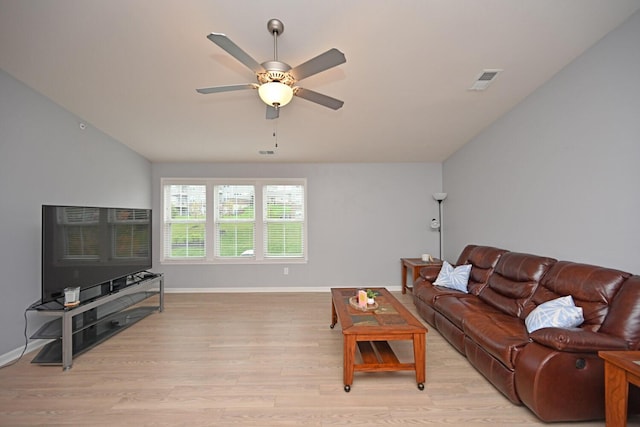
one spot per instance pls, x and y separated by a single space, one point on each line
90 246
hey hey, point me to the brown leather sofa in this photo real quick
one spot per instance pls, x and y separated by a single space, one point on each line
555 372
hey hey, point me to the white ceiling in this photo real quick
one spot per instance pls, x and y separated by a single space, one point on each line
130 68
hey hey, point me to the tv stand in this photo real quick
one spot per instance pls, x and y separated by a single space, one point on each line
79 329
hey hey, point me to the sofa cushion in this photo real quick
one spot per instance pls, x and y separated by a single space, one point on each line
428 293
454 278
499 334
623 319
592 288
557 313
455 307
514 281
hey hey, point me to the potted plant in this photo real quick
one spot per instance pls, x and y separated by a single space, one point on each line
371 296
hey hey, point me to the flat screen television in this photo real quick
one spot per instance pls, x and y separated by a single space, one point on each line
87 247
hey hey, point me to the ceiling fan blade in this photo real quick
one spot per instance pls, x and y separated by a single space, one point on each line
232 49
319 98
228 88
272 112
322 62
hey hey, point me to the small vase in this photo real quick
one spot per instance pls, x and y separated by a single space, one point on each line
371 301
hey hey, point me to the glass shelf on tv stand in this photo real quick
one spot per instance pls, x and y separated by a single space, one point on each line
78 329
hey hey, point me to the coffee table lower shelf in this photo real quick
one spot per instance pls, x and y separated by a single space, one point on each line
378 356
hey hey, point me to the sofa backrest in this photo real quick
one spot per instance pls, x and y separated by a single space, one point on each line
464 255
513 282
623 319
483 260
592 287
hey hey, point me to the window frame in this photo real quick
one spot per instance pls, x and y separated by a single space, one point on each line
210 237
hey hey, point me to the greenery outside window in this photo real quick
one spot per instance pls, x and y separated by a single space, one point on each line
234 220
283 220
184 221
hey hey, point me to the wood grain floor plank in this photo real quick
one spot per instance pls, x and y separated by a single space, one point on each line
248 360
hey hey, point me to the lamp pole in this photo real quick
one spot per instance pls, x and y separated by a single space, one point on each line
439 197
440 231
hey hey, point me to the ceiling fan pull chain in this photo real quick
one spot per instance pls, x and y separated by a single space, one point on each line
275 131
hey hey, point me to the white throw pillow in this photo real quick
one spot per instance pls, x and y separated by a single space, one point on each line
557 313
454 278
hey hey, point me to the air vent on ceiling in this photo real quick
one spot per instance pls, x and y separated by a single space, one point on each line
266 152
485 79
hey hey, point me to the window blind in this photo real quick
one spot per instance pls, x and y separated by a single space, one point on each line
234 220
284 219
185 215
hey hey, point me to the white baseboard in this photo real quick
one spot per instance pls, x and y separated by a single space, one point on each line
14 354
271 289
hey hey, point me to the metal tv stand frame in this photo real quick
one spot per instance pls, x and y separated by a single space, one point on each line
73 334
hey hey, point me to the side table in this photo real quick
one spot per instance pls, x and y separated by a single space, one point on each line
621 368
415 264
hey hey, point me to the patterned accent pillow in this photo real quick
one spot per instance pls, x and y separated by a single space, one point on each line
557 313
454 278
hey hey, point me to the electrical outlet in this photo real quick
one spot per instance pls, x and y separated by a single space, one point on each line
286 271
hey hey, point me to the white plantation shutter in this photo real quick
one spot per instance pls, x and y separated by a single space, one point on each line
284 220
185 214
234 220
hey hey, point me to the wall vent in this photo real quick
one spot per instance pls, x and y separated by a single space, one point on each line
267 152
484 79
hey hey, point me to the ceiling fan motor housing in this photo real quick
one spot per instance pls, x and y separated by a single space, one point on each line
274 75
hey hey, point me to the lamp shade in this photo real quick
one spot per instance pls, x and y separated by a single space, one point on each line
439 196
275 94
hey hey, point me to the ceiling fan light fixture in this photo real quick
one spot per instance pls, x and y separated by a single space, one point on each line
275 94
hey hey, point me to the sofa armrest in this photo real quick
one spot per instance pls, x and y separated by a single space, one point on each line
430 272
577 340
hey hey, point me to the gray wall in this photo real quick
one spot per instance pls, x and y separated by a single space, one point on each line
362 219
45 158
559 175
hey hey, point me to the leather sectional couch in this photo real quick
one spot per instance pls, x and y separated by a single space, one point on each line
555 372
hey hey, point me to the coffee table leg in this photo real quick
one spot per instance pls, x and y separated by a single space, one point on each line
349 360
419 344
616 395
404 278
334 315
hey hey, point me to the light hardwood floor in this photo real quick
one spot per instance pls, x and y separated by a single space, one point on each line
247 360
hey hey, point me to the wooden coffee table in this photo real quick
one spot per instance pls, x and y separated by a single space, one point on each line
371 330
621 368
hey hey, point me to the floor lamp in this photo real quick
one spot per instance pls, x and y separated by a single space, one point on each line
437 223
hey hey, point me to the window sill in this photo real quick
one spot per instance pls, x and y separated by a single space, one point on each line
234 261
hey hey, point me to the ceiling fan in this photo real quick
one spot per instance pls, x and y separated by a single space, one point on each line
276 79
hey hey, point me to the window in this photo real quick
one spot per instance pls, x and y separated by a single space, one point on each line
234 220
283 220
184 221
